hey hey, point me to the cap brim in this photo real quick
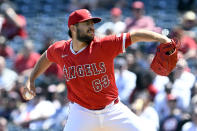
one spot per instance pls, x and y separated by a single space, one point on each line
95 19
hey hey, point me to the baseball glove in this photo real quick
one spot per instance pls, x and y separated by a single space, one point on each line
166 58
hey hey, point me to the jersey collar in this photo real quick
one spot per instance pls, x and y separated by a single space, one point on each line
75 53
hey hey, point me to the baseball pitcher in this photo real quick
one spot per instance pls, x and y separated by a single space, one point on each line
87 63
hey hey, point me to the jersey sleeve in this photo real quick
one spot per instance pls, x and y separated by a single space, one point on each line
54 51
115 44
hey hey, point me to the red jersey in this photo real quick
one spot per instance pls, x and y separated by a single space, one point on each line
22 63
89 73
9 30
187 44
6 51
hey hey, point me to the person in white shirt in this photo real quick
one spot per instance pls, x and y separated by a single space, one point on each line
161 102
142 106
191 125
8 77
116 26
125 79
184 81
181 87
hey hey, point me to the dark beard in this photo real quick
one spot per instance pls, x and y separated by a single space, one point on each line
83 37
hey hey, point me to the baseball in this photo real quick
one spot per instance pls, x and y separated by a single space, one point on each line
28 95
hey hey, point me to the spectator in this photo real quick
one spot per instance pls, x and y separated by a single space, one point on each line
182 85
13 24
171 122
160 83
160 102
57 121
9 102
36 112
191 125
131 61
8 77
116 26
5 50
192 64
43 110
193 102
142 106
194 89
137 59
27 58
3 124
143 83
188 44
139 20
125 80
188 20
189 24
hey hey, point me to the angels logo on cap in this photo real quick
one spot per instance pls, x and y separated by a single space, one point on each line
81 15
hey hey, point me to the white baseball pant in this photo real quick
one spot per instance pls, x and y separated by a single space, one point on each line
114 117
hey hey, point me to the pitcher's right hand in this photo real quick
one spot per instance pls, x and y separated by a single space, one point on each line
29 91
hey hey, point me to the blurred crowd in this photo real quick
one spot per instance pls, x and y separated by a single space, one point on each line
168 102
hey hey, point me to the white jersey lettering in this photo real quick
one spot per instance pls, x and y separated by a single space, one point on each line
65 73
102 66
95 70
88 70
72 72
80 71
83 70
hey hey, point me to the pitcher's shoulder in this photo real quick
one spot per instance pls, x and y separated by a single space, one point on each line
61 43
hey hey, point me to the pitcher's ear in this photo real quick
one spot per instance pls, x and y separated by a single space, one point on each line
73 28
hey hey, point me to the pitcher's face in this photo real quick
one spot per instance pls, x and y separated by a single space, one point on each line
85 31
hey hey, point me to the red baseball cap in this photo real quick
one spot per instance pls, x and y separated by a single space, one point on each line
116 11
81 15
138 5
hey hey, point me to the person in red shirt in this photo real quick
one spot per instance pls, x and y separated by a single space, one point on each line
188 44
26 59
10 30
88 65
13 24
139 19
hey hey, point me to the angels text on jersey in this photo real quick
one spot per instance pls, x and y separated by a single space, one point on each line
72 72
